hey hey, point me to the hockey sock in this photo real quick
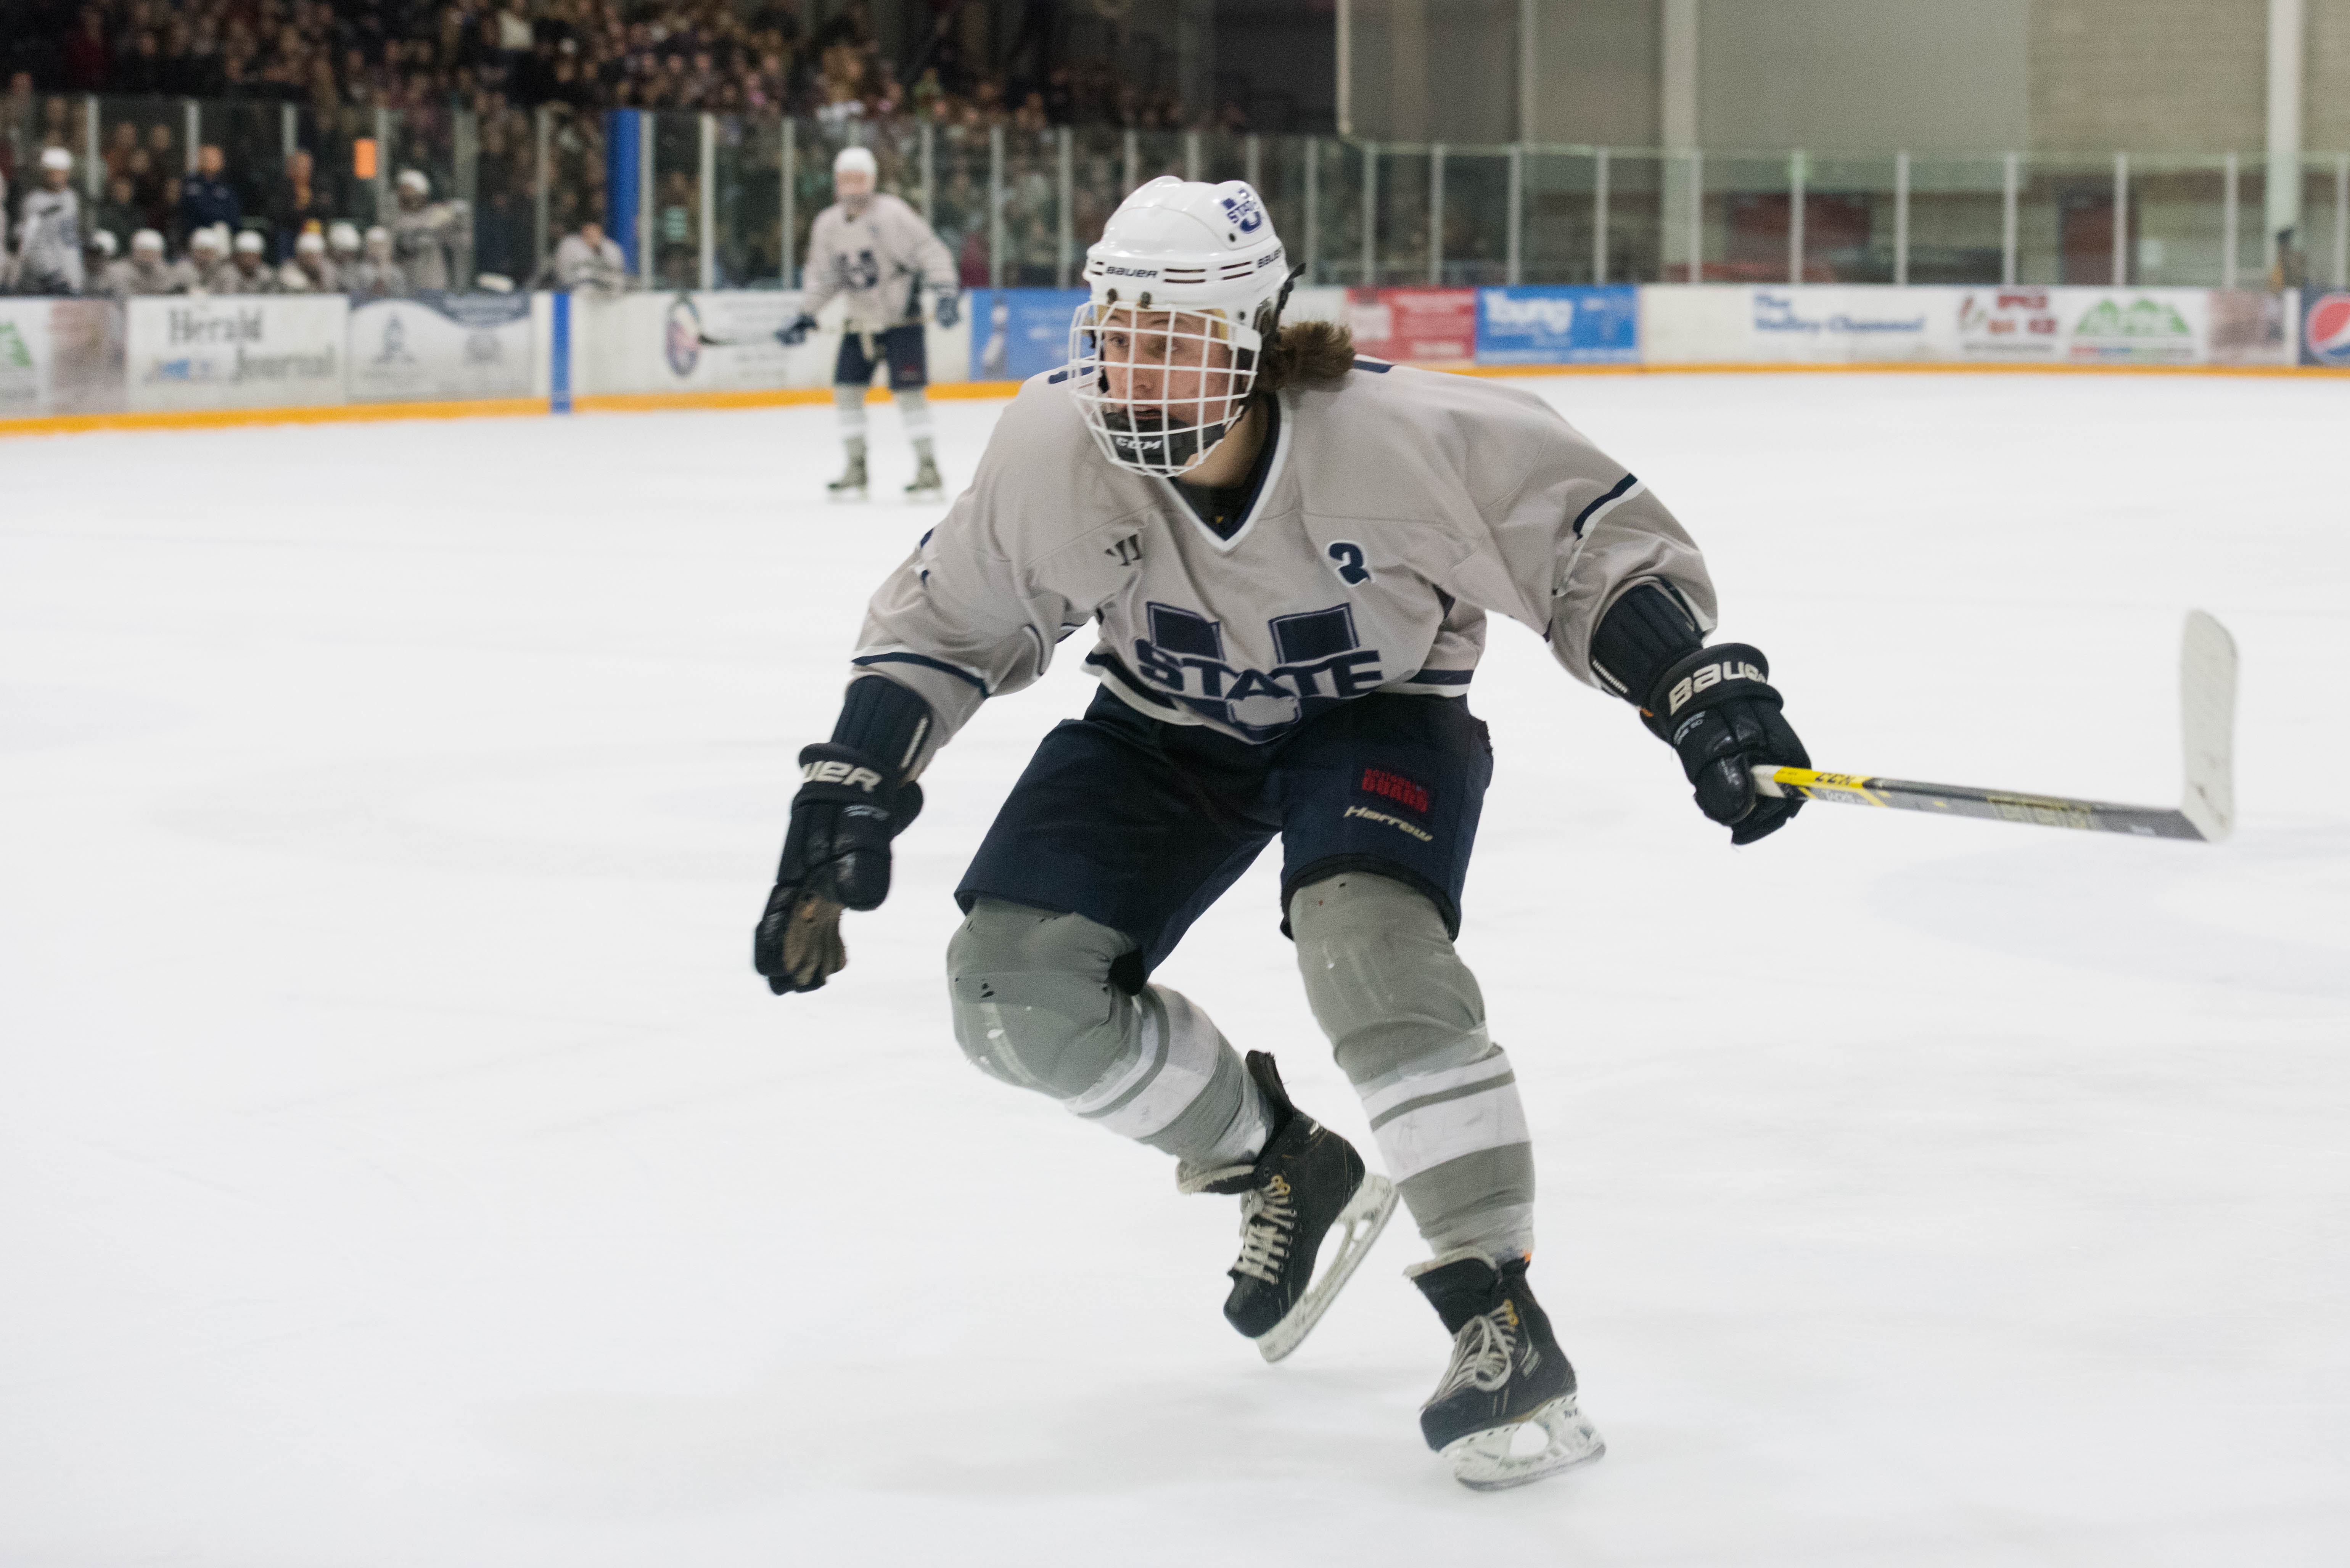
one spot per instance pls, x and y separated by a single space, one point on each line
1407 1022
849 403
914 411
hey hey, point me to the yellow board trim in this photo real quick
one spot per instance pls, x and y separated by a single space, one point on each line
792 397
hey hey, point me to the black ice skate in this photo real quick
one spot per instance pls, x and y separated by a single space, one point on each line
1308 1182
1504 1413
927 485
850 485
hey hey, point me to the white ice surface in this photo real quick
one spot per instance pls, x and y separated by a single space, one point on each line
400 1164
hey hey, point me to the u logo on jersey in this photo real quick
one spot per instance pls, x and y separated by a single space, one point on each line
858 272
1321 663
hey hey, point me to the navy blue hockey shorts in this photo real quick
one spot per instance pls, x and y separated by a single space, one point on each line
909 365
1142 825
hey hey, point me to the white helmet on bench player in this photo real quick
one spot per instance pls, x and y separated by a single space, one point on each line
1186 285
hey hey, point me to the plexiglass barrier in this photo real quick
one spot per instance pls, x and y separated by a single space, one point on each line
724 201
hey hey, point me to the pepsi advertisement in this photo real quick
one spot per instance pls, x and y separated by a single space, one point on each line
1566 324
2326 330
1016 332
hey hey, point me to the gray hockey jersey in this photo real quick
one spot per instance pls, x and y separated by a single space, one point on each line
48 241
1399 508
879 260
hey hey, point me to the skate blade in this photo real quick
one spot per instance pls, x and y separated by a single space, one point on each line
839 497
1490 1460
931 493
1356 1231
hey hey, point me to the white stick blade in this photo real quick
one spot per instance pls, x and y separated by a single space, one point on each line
2207 692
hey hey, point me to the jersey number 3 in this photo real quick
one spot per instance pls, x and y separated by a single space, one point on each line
1350 559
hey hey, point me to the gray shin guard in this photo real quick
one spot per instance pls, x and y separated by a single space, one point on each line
1034 1005
1407 1024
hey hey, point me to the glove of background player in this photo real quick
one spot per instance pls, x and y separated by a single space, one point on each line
950 309
836 856
1716 708
794 335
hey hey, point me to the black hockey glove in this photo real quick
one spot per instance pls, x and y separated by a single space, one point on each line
836 857
793 336
1714 706
950 309
854 797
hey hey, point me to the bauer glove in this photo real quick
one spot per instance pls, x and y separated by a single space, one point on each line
950 309
836 857
1716 708
793 336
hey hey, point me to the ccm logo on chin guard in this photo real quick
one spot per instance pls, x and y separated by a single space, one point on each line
1706 676
865 779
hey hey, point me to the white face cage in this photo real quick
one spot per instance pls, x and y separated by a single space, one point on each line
1160 387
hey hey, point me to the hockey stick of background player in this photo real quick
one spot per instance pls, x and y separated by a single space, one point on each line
2207 690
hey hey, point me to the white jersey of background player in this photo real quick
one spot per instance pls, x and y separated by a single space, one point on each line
874 252
1289 553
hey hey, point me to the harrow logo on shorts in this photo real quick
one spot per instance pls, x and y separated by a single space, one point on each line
1320 659
1242 210
1370 816
2326 330
1396 787
1704 678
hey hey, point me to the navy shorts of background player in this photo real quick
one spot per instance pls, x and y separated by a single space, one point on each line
909 365
1140 825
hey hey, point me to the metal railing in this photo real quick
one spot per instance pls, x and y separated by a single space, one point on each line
723 201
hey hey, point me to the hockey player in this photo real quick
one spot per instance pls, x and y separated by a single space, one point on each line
374 275
428 236
309 271
248 271
343 248
877 252
48 231
1291 553
205 268
144 270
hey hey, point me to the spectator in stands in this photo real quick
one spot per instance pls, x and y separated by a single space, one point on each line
299 204
377 275
249 271
199 272
144 270
310 271
119 211
426 235
207 197
48 231
591 261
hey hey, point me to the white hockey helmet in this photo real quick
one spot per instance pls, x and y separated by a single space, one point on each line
57 158
147 243
1186 283
103 242
413 181
855 160
343 237
311 243
208 239
248 243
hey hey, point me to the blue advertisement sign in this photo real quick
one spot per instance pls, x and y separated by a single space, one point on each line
1016 332
1567 324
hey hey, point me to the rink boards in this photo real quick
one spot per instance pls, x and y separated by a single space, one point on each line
228 359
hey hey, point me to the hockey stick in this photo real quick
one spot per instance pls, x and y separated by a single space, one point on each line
2207 688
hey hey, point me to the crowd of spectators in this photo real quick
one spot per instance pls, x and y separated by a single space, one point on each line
741 57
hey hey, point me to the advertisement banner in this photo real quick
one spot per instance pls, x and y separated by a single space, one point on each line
1016 332
1421 325
2325 331
59 357
1569 325
236 351
441 345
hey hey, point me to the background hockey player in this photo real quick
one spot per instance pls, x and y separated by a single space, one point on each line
48 258
375 276
98 250
248 271
1288 631
201 270
309 270
144 270
877 252
429 238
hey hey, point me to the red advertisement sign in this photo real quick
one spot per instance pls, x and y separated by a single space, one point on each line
1422 326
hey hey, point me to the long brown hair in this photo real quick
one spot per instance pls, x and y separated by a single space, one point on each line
1306 354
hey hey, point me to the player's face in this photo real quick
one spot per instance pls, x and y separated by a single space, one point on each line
854 189
1168 366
